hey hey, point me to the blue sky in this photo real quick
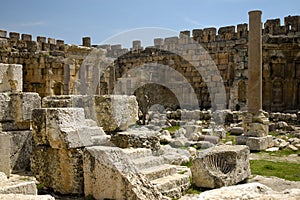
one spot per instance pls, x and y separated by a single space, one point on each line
71 20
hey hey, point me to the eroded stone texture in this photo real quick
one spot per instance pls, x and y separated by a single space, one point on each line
221 166
11 78
112 112
116 112
60 128
25 197
59 169
249 191
108 174
16 110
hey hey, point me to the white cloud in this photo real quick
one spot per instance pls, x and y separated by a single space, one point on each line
193 22
30 24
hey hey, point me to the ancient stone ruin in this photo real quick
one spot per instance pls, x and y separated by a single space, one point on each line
104 122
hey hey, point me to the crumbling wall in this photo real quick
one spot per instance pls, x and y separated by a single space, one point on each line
52 67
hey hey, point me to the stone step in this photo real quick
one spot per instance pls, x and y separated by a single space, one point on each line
147 162
18 187
101 140
134 153
90 123
173 185
93 130
25 197
159 171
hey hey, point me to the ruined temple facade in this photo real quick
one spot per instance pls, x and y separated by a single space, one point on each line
51 67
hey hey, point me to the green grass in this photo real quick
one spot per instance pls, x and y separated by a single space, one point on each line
229 137
172 129
188 164
280 153
288 171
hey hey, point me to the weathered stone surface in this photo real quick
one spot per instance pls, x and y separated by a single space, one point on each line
25 197
256 191
259 143
116 112
11 78
112 112
60 128
237 130
18 187
221 166
137 138
5 145
16 109
59 169
19 149
3 176
108 174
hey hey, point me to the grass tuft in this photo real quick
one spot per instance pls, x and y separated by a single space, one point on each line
288 171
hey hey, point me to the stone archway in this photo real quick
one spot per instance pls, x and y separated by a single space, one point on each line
131 60
154 94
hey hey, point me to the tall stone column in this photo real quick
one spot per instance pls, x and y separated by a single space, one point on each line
256 123
255 62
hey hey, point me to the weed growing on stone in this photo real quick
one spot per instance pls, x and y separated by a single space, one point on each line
172 129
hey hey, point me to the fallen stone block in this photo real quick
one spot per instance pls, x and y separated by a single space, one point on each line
259 143
21 150
59 169
11 78
109 174
5 140
60 128
25 197
209 138
220 166
116 112
112 112
16 109
136 138
249 191
18 187
237 130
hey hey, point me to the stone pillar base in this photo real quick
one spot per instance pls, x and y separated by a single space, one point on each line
256 130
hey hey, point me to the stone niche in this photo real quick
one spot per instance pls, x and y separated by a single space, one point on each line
220 166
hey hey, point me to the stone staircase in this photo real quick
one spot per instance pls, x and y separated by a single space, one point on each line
97 133
170 180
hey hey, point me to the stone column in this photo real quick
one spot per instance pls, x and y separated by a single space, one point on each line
255 62
256 123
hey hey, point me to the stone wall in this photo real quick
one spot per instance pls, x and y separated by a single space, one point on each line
52 67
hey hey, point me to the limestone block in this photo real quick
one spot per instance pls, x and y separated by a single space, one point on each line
60 128
21 149
11 78
112 112
18 187
25 197
59 169
16 110
109 174
259 143
5 153
241 140
237 130
137 138
249 191
116 112
221 166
